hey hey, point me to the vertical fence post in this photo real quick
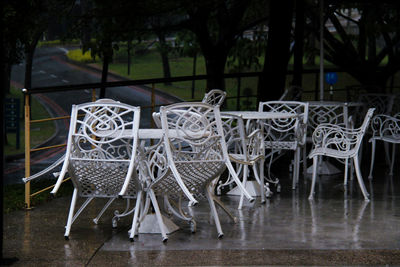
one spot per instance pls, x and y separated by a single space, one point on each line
27 149
238 93
153 103
93 94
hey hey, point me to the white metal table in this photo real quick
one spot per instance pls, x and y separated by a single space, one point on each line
251 186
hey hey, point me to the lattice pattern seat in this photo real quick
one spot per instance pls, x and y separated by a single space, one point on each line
339 142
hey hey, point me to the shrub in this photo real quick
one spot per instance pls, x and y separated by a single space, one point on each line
79 56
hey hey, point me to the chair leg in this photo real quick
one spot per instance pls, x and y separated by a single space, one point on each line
359 178
96 220
71 213
136 215
158 215
237 180
224 208
393 158
304 161
346 171
262 178
372 159
314 177
245 174
214 213
296 168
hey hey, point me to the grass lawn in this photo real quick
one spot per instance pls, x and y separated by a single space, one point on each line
148 65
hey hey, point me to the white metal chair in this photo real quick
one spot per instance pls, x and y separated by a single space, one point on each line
214 97
326 112
383 103
387 129
339 142
100 155
245 150
286 134
191 155
293 93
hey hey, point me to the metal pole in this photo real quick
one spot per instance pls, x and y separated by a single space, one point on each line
321 50
153 103
27 151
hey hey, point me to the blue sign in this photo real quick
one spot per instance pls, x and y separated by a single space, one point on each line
331 78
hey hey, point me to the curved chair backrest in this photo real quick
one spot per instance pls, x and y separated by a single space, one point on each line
326 113
101 148
386 127
286 129
383 103
293 93
214 97
195 148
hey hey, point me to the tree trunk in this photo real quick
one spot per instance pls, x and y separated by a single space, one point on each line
194 73
298 45
6 80
215 66
104 74
273 78
164 56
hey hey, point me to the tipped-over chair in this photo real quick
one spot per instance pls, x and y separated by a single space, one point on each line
245 150
339 142
191 155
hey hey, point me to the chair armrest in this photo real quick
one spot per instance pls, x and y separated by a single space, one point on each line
43 172
385 126
336 137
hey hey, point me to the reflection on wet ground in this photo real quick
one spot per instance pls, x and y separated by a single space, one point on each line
337 227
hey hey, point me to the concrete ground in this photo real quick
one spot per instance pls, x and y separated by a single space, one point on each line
337 228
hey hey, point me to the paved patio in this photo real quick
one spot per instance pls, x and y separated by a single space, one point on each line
337 228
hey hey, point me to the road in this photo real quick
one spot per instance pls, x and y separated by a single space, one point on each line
50 68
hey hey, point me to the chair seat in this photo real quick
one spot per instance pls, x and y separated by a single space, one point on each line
281 145
388 138
321 151
241 158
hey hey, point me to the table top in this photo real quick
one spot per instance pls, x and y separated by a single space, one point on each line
260 115
334 103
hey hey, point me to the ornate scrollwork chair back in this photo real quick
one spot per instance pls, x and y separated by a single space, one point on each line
100 155
339 142
286 133
214 97
385 128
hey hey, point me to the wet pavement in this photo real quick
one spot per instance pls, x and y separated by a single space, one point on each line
337 228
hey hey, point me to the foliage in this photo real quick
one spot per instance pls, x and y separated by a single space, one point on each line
79 56
14 194
40 132
366 34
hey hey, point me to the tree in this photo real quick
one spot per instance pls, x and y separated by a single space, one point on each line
361 45
217 24
26 21
188 46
